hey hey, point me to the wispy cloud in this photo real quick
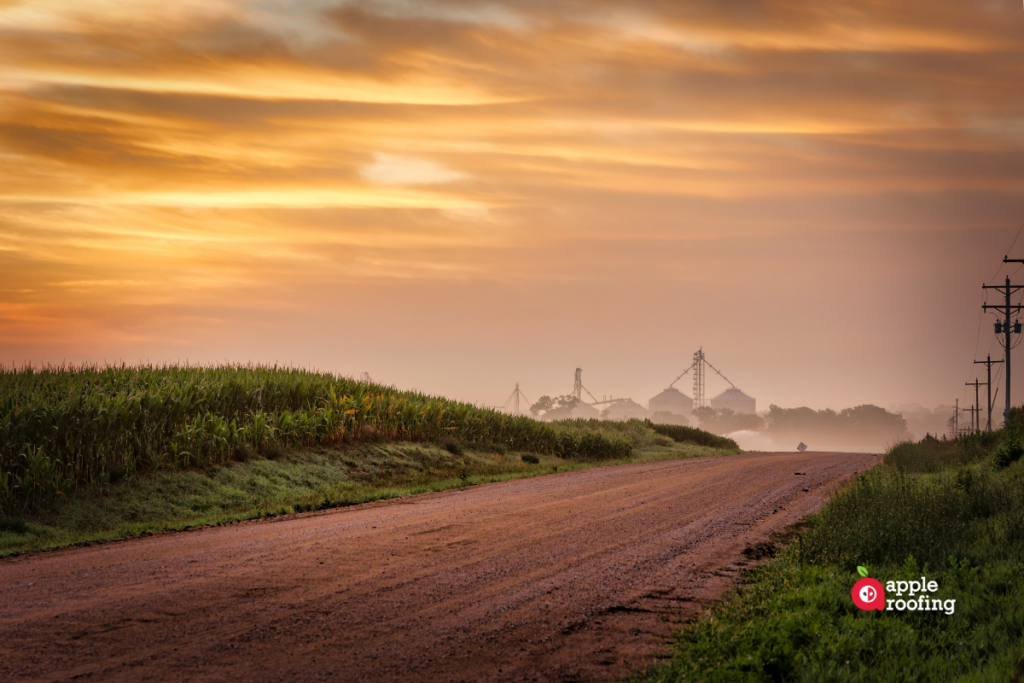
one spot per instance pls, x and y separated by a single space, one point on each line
222 155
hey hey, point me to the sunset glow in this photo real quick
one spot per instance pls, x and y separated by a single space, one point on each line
457 195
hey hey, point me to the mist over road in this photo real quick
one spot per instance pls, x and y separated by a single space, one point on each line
572 576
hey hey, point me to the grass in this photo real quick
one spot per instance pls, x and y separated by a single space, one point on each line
888 515
795 621
949 510
935 455
643 433
295 481
692 435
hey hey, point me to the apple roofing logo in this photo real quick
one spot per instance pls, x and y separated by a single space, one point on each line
868 593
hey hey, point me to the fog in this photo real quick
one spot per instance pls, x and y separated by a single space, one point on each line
863 428
750 440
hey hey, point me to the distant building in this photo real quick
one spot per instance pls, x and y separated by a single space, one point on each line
624 410
671 401
735 400
585 411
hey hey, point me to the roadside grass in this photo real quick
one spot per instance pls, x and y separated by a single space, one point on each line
795 621
943 509
294 481
887 515
934 455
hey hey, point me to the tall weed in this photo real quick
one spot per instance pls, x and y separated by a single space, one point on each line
932 455
933 500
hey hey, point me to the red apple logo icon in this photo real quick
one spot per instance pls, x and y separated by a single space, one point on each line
868 593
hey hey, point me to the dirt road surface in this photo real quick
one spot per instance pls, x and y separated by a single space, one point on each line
577 576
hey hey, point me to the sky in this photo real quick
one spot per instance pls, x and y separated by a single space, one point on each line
456 196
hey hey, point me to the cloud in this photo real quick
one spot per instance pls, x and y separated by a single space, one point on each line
222 158
388 169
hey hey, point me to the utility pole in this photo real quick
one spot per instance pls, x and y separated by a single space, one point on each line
956 420
988 363
1003 326
976 410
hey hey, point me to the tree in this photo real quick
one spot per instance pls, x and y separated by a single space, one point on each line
543 404
557 408
725 421
663 417
865 426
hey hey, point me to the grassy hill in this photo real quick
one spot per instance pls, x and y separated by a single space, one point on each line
89 452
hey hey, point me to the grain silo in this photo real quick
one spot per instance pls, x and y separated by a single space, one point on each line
736 401
671 401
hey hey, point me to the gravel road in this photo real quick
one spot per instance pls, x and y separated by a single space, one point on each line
577 576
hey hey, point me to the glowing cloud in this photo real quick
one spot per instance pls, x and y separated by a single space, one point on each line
256 178
388 169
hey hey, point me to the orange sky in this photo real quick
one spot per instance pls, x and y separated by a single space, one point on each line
457 195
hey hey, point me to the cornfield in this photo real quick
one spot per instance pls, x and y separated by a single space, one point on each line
66 427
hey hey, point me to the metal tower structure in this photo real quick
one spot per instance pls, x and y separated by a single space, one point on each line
699 361
514 400
698 379
578 388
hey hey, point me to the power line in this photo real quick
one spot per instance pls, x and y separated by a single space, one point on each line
981 315
1008 344
1008 250
1019 230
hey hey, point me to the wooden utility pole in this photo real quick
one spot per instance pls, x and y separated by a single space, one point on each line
976 410
988 363
1003 326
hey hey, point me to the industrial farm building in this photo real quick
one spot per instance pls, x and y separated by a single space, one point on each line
585 411
671 401
736 401
624 409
